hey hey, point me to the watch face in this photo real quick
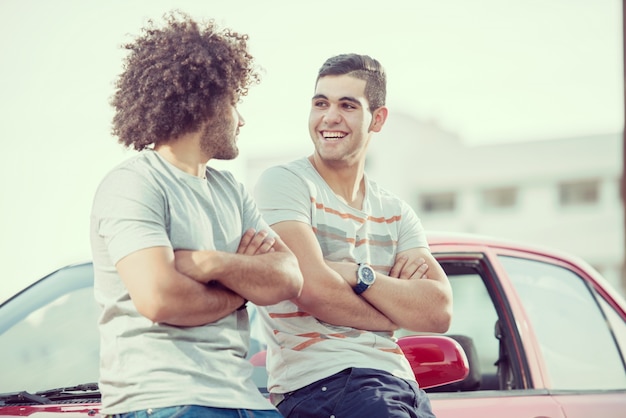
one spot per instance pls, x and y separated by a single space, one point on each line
367 275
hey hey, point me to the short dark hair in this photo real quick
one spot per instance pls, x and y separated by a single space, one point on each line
175 76
362 67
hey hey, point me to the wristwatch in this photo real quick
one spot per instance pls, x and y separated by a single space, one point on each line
365 277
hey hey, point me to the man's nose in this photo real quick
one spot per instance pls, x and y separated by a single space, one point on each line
332 115
242 121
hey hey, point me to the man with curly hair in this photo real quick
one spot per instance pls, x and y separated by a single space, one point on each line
365 259
179 247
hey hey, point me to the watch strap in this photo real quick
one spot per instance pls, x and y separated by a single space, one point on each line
360 288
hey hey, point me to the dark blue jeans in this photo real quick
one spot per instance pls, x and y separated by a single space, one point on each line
195 411
358 393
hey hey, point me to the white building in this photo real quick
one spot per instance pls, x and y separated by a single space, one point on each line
561 193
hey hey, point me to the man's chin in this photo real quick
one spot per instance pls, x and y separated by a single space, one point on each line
227 156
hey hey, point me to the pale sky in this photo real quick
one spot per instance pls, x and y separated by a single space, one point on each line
489 70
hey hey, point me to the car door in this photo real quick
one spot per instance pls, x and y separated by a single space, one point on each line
579 331
509 373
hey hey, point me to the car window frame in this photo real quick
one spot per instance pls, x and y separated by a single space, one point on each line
481 259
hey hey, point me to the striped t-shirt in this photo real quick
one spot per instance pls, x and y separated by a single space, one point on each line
302 349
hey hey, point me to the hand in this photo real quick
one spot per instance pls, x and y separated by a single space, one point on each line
407 268
254 243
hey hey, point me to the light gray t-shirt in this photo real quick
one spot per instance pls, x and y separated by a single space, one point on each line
301 348
147 202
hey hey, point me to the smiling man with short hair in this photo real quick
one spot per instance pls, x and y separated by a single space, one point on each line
365 260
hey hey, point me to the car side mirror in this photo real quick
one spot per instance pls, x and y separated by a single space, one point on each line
435 359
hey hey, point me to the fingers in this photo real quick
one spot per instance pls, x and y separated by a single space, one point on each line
245 240
398 267
404 268
266 244
421 271
253 243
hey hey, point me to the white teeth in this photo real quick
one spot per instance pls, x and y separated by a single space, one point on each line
333 135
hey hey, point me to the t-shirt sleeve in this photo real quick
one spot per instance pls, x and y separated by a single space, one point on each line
282 195
129 214
412 234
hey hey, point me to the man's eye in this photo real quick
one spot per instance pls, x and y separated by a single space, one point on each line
349 106
319 104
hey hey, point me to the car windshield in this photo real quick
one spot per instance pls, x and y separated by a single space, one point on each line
49 334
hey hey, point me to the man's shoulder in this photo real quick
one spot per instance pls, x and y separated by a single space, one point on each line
138 162
296 165
142 174
298 168
136 166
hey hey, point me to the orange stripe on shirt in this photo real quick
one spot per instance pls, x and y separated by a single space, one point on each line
316 337
308 343
380 220
342 215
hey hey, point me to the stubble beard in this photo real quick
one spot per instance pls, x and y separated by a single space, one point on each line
221 151
218 142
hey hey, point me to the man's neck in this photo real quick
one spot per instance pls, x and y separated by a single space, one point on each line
347 182
184 153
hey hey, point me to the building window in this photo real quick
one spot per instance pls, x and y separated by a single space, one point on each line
437 202
581 192
499 198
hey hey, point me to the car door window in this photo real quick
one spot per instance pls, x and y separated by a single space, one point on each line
578 346
474 316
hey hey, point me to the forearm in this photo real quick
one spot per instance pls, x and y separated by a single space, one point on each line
195 304
420 302
163 294
333 301
263 279
421 305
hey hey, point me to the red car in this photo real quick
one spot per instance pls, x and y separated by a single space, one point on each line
543 335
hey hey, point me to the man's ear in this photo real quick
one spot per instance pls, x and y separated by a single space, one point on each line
379 116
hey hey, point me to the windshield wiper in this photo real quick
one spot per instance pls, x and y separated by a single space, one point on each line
84 391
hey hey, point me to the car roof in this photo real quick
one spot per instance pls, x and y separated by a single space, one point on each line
462 238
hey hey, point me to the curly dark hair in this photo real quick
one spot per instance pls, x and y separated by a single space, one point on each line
175 76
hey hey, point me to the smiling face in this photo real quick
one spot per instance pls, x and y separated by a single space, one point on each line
340 121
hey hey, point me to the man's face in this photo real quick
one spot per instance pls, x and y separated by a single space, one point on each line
340 120
219 136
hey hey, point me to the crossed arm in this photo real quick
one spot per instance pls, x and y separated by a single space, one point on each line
191 288
415 294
